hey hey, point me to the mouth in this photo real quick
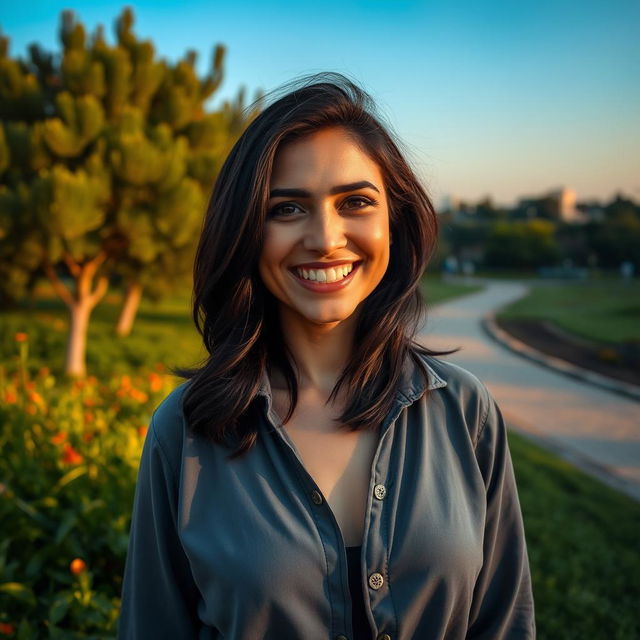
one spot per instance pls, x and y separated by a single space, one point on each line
326 280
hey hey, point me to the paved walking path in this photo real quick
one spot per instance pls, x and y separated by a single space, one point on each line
595 429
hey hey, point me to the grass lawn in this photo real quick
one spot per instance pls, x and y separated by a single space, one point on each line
583 547
435 290
606 312
162 332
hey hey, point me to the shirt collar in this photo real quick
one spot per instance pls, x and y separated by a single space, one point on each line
412 383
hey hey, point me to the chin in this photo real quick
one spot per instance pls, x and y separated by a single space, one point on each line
327 317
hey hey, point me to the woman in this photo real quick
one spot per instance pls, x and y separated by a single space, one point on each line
322 475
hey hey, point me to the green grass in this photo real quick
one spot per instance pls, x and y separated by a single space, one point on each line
435 290
607 312
582 539
162 332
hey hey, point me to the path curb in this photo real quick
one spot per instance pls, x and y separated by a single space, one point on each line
604 473
498 334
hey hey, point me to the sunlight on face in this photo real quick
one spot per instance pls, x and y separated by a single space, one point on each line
328 208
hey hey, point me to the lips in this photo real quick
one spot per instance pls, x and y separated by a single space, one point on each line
326 287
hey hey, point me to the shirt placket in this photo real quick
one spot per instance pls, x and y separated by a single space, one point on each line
375 550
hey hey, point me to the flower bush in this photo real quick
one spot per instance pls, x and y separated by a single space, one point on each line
70 454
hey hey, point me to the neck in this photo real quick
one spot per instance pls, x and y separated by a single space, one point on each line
320 351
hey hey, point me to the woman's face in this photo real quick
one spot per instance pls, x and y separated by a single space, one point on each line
327 217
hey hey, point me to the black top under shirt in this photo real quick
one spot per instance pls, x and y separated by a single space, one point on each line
361 628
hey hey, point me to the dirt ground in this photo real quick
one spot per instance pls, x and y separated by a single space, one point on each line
546 338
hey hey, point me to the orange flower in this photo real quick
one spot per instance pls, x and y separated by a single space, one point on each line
89 402
155 382
31 409
77 566
87 436
44 372
142 431
30 385
125 382
70 455
59 438
6 628
78 384
92 380
88 417
138 395
10 396
36 398
21 336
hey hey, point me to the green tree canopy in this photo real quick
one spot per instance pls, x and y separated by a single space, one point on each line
107 155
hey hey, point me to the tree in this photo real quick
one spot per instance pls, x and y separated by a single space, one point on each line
523 244
106 154
486 210
622 210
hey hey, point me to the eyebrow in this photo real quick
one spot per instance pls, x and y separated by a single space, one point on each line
340 188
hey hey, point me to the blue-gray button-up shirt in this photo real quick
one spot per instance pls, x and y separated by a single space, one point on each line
249 549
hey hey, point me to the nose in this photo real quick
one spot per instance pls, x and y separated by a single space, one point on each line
325 231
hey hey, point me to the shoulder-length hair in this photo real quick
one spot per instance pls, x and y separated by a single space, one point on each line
237 316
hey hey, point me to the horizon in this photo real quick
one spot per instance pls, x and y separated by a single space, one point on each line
509 103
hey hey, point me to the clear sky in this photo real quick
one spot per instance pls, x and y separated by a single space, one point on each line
500 98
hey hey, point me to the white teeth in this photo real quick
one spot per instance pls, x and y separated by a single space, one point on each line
332 274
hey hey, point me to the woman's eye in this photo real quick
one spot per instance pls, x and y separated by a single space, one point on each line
358 202
284 209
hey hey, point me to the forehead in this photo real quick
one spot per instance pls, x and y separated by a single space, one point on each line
321 160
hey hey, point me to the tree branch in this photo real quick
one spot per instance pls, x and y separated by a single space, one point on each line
73 266
99 291
92 266
58 287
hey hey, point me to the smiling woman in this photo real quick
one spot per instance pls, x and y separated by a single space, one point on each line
333 215
322 475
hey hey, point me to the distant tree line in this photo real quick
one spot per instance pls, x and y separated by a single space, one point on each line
107 157
534 235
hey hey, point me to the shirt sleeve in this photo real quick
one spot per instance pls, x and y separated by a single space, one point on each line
159 595
502 607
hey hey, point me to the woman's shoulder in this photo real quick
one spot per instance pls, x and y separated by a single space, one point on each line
460 391
452 378
167 421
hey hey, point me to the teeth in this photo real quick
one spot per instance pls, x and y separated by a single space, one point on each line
326 275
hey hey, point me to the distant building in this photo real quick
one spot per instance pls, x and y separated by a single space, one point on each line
449 203
567 204
557 204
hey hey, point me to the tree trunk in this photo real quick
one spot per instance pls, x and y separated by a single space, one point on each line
80 303
129 309
77 344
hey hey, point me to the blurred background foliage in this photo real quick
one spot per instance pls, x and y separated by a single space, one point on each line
107 156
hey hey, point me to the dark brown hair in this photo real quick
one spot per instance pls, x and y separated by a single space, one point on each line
237 316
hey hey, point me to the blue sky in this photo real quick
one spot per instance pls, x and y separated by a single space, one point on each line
500 98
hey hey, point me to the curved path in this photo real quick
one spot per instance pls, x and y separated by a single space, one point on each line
595 429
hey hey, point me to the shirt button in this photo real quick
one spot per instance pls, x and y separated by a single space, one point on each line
316 497
376 580
384 636
379 491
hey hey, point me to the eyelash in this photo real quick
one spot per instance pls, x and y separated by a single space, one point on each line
367 202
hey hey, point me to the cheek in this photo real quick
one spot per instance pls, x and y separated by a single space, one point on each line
376 241
274 251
